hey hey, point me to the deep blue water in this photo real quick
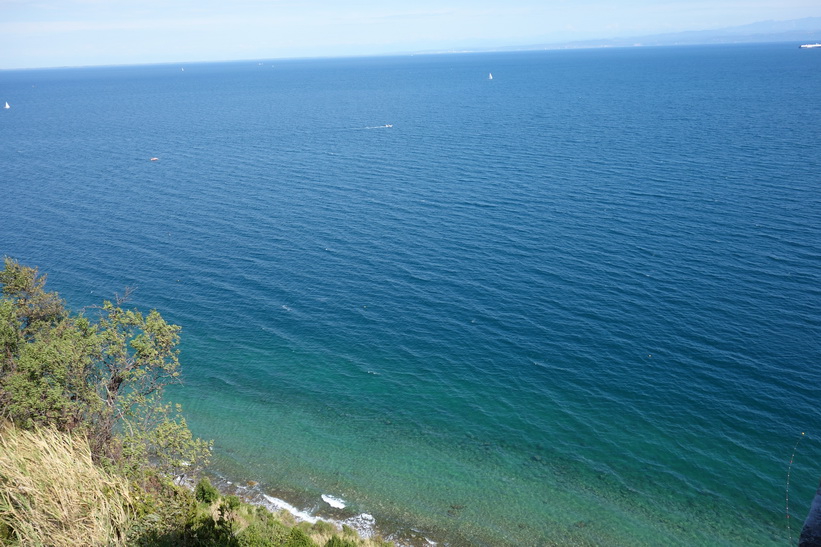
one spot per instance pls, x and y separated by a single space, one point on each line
575 304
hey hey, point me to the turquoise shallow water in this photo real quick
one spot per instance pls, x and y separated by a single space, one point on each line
576 304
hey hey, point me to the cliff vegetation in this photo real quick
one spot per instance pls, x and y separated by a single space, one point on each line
89 446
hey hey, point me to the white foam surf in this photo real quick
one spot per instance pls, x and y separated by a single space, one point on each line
276 504
364 523
336 503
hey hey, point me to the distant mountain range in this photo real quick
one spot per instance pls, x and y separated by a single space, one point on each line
803 30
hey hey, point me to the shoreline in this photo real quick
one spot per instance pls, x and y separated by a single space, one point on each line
329 508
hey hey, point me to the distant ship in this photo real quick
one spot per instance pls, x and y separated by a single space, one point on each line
808 46
7 105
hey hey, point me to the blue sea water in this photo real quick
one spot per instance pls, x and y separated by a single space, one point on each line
576 304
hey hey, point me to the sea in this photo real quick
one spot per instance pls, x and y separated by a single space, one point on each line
577 303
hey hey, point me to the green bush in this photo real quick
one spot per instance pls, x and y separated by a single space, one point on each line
323 527
93 387
205 492
336 541
264 532
165 512
298 538
232 502
101 377
305 526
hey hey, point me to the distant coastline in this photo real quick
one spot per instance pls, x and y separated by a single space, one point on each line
799 31
796 31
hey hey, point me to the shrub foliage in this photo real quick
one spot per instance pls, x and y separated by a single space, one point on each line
88 446
101 377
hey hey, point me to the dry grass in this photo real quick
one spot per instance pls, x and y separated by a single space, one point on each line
321 532
52 494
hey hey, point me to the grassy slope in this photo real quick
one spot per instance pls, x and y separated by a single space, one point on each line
51 493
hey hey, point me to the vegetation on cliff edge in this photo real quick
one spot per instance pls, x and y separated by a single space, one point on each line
88 445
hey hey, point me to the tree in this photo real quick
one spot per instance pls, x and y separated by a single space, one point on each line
47 356
103 378
34 306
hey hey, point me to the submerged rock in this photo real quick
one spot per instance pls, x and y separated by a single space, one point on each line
811 533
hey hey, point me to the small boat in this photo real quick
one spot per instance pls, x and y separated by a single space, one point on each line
809 46
155 159
489 76
7 105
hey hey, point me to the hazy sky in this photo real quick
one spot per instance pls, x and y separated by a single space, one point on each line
37 33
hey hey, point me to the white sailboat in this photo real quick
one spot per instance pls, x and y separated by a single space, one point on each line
489 76
7 105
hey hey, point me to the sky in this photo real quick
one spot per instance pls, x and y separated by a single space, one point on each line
51 33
